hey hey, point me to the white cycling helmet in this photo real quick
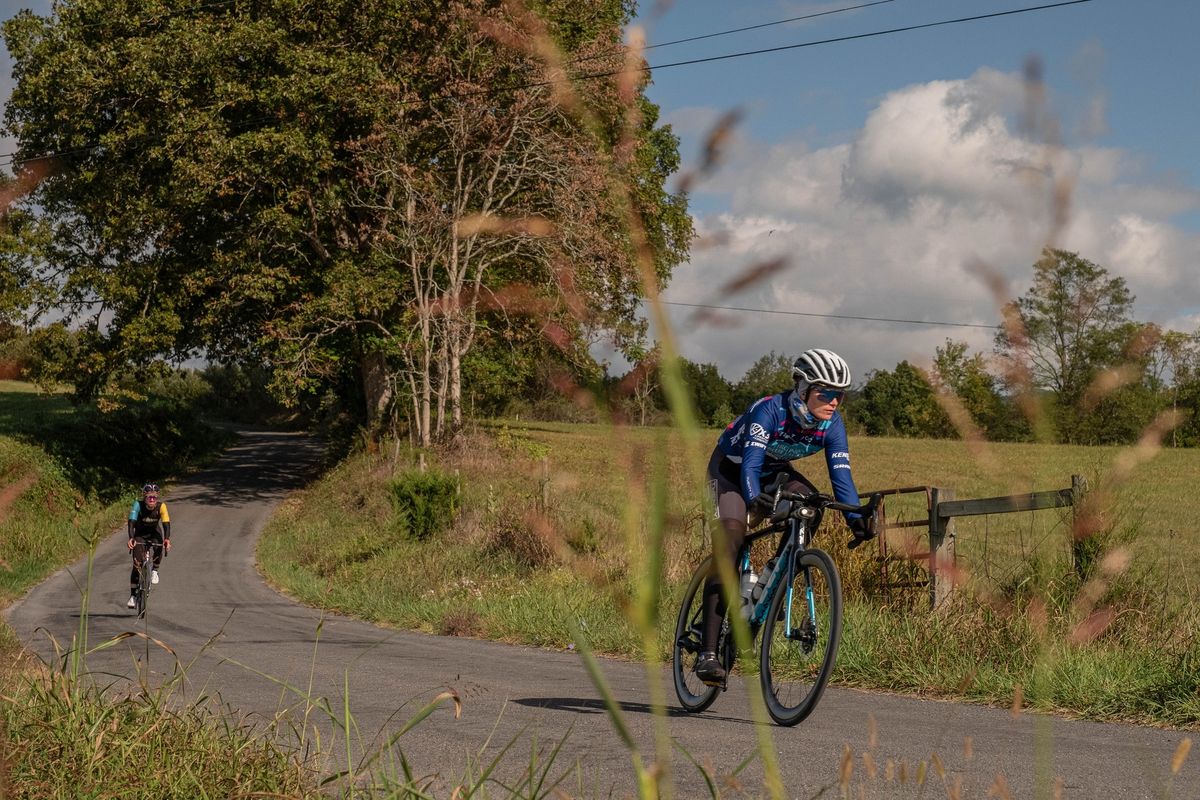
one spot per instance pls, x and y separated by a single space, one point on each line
823 367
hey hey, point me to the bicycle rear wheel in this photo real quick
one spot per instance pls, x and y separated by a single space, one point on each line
694 695
800 638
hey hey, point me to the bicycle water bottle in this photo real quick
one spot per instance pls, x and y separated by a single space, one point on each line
749 588
764 580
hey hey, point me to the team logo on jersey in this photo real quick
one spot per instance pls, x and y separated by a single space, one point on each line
841 454
758 432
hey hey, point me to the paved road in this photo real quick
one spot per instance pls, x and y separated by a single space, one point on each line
210 587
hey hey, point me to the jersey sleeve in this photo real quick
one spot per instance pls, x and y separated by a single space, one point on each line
133 511
837 459
165 515
754 449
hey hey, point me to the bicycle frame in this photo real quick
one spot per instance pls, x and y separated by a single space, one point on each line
798 534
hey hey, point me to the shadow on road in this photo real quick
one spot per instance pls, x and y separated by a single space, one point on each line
581 705
234 482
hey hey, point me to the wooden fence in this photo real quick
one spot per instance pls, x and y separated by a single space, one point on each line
942 508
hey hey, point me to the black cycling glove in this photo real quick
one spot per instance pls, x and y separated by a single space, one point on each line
763 503
862 530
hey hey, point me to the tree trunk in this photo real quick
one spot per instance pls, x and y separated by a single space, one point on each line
443 377
377 389
454 350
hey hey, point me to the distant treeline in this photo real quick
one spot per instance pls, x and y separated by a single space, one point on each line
1069 365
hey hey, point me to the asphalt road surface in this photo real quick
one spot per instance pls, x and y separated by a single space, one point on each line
534 698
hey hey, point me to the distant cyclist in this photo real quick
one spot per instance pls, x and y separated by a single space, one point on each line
149 524
755 450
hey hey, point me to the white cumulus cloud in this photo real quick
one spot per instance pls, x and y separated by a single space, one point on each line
940 186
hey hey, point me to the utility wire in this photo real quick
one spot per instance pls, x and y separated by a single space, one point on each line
740 30
766 24
627 70
781 48
940 323
651 68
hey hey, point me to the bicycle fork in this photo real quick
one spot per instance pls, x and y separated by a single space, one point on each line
806 634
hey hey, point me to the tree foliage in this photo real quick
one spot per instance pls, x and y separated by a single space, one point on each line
966 378
899 402
711 394
768 375
347 191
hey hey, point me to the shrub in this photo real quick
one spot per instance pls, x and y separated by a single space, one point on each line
426 502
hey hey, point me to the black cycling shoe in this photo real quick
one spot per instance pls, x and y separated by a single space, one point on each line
709 670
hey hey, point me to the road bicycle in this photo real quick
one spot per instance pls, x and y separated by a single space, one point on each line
796 605
145 569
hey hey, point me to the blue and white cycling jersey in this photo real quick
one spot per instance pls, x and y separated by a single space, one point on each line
765 438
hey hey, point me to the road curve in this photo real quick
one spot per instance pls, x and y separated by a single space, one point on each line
210 588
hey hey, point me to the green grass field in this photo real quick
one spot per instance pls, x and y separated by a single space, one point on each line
24 408
556 517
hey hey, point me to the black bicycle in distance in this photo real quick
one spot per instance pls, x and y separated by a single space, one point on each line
145 570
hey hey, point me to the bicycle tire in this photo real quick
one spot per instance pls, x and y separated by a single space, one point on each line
694 695
144 583
795 664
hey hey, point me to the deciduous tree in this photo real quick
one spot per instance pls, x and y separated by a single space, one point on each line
334 189
712 395
1071 324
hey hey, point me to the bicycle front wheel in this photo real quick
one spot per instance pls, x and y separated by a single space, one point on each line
800 638
144 583
694 695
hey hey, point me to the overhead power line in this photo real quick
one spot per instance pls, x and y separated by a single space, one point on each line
715 34
650 68
817 42
940 323
766 24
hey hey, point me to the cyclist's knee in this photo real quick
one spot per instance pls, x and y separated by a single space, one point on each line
734 535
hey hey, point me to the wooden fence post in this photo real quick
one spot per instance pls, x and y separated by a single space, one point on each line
941 548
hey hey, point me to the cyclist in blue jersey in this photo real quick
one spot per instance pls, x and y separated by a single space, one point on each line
755 451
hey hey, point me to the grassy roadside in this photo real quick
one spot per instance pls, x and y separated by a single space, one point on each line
543 539
63 736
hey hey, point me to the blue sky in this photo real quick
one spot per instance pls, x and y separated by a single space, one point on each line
893 173
1139 58
887 169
